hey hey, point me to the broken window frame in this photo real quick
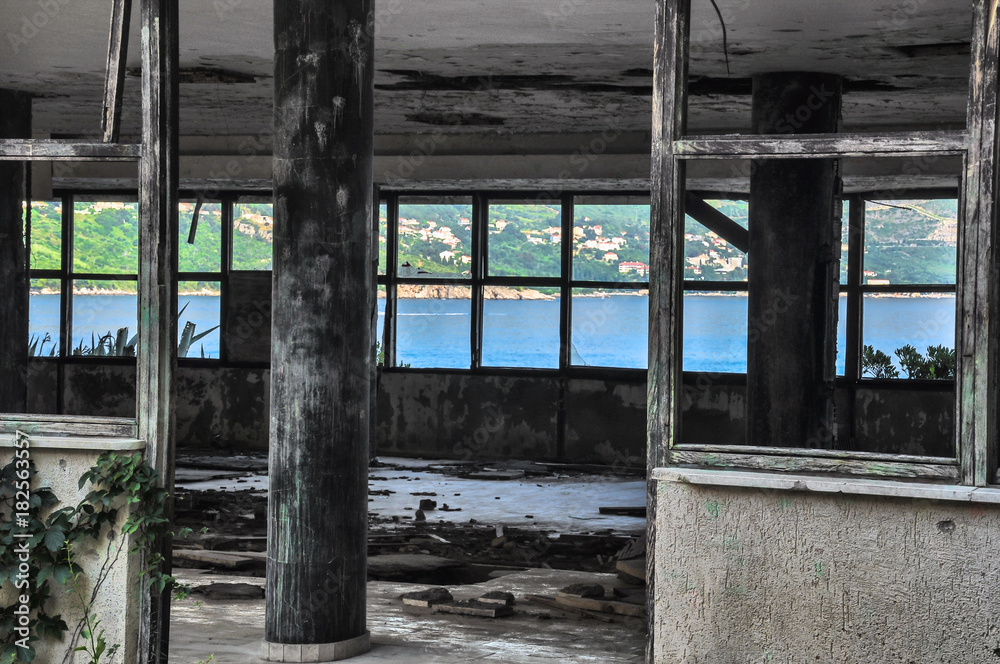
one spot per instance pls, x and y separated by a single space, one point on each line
976 317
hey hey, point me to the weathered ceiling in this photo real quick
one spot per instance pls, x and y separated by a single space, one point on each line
490 68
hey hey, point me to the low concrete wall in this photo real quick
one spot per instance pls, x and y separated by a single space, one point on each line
116 604
756 575
463 415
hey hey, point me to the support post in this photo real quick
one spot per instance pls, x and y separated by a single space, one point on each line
15 122
156 363
794 268
321 331
666 263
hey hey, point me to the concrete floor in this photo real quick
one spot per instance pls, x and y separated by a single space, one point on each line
231 631
564 503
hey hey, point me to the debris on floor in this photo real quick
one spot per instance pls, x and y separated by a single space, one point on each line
427 598
423 508
228 591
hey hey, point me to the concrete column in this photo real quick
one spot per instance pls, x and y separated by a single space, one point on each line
15 122
794 261
321 330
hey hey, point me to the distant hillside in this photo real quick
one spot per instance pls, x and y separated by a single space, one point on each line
907 241
106 240
524 240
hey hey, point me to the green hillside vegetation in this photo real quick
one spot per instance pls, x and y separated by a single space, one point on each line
253 226
912 244
436 240
709 257
907 241
106 241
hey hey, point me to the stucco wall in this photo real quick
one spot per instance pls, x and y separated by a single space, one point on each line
750 575
116 603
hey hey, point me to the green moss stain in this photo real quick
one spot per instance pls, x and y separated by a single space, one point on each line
818 569
713 507
784 504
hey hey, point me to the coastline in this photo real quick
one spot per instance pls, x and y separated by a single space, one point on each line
442 292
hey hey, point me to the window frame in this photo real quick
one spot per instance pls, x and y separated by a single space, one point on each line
480 279
976 290
66 273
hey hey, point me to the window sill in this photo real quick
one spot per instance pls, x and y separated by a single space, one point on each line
812 483
76 443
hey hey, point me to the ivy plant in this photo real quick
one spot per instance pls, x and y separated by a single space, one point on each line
53 536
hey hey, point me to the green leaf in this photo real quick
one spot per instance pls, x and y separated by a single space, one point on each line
44 574
54 539
62 573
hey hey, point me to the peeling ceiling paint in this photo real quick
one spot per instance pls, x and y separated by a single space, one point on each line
471 67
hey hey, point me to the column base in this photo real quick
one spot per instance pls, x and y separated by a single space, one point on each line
315 652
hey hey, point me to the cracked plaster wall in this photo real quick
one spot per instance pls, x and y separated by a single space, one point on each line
750 575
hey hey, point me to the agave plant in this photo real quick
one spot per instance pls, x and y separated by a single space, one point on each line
188 336
36 346
109 345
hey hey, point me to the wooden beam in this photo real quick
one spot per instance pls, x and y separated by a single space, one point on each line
47 149
157 352
15 121
809 464
912 144
666 254
976 318
871 457
68 425
114 82
717 222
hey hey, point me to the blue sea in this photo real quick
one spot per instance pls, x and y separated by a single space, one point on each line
608 331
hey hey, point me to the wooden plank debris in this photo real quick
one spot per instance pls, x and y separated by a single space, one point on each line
638 510
633 571
553 604
601 605
475 608
230 560
498 597
428 598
